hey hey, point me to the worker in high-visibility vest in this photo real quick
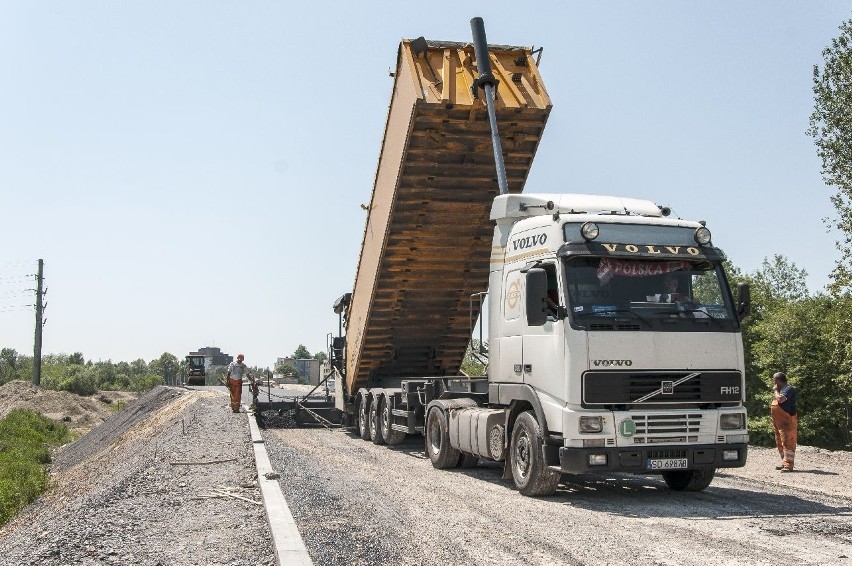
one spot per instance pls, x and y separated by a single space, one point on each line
234 378
785 420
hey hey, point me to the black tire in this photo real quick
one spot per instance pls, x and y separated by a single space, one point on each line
532 477
438 446
375 431
468 461
363 418
689 480
385 419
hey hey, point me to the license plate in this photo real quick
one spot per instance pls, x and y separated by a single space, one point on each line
668 464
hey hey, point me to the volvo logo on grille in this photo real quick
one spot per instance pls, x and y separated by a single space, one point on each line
667 387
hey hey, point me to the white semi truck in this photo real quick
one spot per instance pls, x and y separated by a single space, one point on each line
614 343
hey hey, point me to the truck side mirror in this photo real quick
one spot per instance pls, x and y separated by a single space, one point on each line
536 296
743 300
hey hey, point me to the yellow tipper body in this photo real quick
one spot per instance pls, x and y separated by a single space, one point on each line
427 241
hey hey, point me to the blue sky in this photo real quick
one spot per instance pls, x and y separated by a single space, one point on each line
191 172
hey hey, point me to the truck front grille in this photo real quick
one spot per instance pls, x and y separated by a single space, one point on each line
668 428
637 389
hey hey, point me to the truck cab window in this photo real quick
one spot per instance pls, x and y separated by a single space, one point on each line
649 294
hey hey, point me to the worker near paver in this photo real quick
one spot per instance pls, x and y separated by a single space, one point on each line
234 376
785 420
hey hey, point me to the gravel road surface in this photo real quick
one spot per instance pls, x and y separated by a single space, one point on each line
170 480
358 503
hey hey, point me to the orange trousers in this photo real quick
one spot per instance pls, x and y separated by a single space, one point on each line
235 387
786 432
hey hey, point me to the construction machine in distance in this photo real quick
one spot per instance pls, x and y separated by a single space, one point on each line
196 373
591 365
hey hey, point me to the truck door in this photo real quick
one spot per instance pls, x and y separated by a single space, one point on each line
513 325
543 346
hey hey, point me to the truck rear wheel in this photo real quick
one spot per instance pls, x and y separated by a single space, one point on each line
373 415
689 480
389 435
531 474
363 418
438 441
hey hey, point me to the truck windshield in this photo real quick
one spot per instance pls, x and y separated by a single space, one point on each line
627 294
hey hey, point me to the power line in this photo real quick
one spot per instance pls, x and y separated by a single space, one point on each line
16 308
15 293
17 278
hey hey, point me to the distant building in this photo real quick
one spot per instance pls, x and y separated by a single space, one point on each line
213 356
307 368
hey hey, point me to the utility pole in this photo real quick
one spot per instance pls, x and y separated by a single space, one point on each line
38 325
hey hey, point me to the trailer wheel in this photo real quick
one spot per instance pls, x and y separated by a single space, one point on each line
373 415
689 480
532 477
389 435
438 441
363 418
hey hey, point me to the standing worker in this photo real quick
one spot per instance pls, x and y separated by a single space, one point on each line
785 420
234 376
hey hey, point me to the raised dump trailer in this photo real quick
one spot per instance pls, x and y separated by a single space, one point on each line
427 240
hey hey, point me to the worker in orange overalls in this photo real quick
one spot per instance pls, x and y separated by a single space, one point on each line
234 378
785 420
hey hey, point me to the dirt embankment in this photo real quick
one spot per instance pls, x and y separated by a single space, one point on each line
169 479
80 414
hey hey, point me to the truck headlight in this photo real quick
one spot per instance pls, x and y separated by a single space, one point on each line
591 424
589 231
702 236
729 421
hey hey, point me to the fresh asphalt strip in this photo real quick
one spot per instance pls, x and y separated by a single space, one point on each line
289 547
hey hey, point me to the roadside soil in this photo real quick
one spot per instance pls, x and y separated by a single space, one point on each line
170 479
358 503
80 414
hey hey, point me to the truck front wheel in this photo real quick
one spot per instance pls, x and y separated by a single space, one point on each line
532 477
689 480
438 441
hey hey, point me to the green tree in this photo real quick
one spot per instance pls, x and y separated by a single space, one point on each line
301 353
474 362
138 367
321 357
8 365
288 370
81 380
831 128
167 367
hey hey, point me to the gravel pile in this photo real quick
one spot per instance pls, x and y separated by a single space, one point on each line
80 414
168 480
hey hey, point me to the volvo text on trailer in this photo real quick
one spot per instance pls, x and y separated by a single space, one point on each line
614 343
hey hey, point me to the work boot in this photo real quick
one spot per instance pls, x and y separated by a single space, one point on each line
786 469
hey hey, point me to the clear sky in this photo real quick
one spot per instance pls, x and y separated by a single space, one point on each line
191 172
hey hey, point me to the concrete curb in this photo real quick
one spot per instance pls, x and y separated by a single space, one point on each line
289 547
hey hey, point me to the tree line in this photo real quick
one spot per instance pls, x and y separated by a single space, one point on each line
72 372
